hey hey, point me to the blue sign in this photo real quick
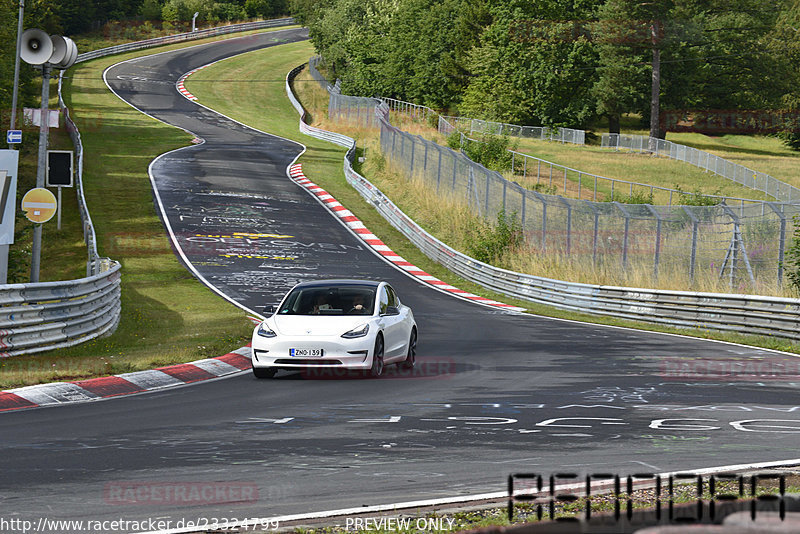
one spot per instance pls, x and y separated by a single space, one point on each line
13 136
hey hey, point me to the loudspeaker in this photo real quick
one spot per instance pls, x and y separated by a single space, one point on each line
70 55
37 47
59 49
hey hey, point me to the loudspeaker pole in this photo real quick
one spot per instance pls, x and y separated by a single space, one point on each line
15 91
16 70
44 129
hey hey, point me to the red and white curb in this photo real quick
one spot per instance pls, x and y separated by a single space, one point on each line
347 217
181 87
125 384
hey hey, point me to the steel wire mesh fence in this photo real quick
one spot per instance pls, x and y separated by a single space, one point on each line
743 245
734 172
449 124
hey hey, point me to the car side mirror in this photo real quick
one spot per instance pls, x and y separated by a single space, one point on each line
391 310
269 309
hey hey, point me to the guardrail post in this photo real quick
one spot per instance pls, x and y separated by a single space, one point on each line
693 255
625 236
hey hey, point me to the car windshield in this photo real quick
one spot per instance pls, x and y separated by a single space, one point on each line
329 300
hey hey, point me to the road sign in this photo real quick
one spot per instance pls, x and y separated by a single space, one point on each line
39 205
59 168
13 136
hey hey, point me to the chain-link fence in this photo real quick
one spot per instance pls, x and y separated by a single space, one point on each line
727 169
448 125
742 244
546 176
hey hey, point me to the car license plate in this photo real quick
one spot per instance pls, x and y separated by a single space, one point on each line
306 353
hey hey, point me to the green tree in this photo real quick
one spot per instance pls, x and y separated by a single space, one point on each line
530 68
623 76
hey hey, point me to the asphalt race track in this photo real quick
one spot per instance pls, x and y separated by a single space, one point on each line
494 392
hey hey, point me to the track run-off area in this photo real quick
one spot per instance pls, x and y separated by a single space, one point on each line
494 393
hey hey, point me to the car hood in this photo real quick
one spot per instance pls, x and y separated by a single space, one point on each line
305 325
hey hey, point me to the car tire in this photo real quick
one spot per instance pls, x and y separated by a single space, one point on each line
376 369
264 372
411 357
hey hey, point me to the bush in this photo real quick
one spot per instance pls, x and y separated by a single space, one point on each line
491 151
489 243
454 140
696 198
638 197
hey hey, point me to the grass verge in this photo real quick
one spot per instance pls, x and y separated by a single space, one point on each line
167 315
265 106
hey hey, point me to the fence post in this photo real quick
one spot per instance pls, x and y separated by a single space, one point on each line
439 168
781 241
657 254
505 187
569 223
693 255
425 163
625 236
486 200
455 169
544 219
411 169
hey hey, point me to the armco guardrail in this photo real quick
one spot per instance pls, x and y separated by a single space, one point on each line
188 36
749 314
51 315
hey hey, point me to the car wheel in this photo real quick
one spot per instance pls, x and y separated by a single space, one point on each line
264 372
377 359
411 358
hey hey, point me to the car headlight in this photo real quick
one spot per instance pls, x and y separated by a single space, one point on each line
265 331
359 331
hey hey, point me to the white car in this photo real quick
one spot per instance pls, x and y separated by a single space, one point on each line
336 324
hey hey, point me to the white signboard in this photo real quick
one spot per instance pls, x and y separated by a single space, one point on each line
9 162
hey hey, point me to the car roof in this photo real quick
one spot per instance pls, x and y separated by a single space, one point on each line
342 282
